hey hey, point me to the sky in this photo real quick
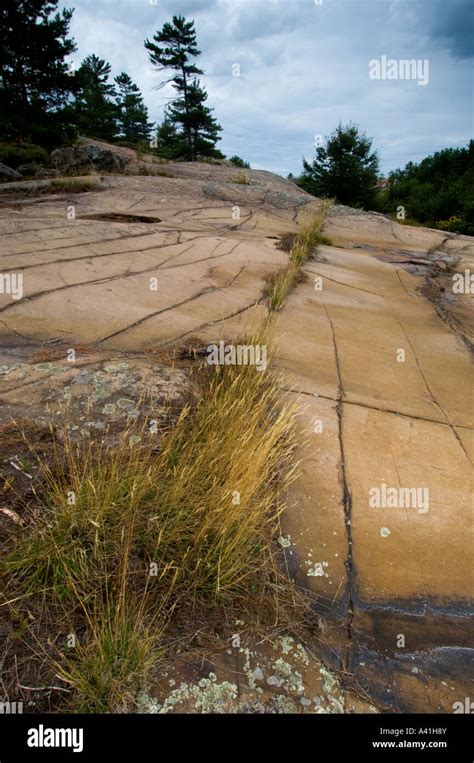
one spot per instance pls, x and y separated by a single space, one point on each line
303 67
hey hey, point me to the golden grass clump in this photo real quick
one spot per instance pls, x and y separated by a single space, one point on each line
303 245
240 179
72 185
126 537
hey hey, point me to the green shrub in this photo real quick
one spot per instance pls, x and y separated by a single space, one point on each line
13 154
437 192
239 162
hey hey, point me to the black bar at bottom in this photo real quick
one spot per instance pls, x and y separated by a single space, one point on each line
154 737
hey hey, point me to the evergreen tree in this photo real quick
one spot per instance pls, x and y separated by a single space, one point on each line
35 80
197 121
239 162
173 48
345 168
439 191
169 143
94 111
132 120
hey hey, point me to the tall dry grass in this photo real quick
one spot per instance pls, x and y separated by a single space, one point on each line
127 538
303 246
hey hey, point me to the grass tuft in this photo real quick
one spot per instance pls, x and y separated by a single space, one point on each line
189 527
303 246
110 669
240 179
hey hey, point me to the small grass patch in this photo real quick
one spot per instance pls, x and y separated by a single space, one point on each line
71 185
150 169
302 247
149 158
25 190
240 179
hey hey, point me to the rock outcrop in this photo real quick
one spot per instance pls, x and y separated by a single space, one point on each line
89 156
8 174
29 170
377 358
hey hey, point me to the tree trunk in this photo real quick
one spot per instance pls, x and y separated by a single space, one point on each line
186 106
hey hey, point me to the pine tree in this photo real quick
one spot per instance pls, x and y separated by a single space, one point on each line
345 168
173 48
94 111
197 121
239 162
132 120
35 80
169 143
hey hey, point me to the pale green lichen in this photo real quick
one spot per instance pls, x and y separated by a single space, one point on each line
101 386
289 646
51 368
208 696
286 643
125 403
116 367
302 654
284 704
247 669
336 704
292 679
331 685
258 674
329 680
8 369
124 381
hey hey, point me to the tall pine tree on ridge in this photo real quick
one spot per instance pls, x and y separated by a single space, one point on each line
173 48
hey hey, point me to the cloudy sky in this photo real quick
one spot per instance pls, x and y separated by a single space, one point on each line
304 66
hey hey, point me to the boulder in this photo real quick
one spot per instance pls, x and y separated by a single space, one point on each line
89 156
96 149
6 173
71 160
103 159
28 170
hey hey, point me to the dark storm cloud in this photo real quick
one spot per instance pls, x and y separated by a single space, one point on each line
303 68
450 24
